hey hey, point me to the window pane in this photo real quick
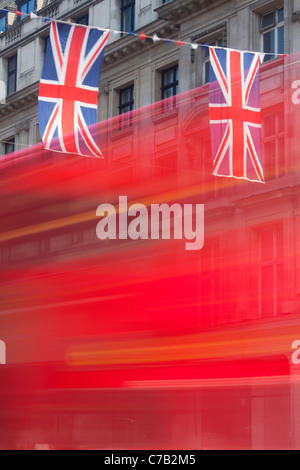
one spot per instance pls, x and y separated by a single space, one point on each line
2 23
124 96
10 146
168 77
279 242
280 15
207 69
11 78
126 100
269 153
269 128
84 20
269 42
127 21
267 283
12 64
169 82
128 13
280 287
168 93
280 121
268 21
267 250
281 157
11 85
281 40
31 6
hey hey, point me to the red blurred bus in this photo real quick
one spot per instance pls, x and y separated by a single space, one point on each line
142 344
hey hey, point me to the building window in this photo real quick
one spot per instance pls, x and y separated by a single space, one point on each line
3 23
126 100
270 271
210 285
272 31
26 6
169 85
127 15
84 20
9 146
206 59
165 166
11 75
273 144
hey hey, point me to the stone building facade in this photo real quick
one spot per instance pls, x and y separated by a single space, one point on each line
141 71
251 230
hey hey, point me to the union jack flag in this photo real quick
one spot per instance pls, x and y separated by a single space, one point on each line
234 111
68 94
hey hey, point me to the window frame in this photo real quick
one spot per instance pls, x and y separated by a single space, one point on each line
173 85
279 24
217 42
129 103
9 146
274 135
12 73
26 3
275 263
125 6
3 16
210 276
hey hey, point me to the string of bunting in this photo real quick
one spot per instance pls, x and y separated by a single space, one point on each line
155 38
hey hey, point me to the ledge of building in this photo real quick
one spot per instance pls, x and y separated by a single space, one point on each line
177 10
20 99
129 44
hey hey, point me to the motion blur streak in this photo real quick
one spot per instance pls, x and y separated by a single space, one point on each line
123 344
222 345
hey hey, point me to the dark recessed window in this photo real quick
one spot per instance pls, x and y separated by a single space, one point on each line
126 101
84 20
127 15
26 6
169 86
11 75
9 146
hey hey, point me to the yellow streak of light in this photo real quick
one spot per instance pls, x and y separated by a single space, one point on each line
205 346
